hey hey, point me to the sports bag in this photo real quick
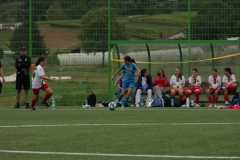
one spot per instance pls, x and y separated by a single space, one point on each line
236 99
91 99
177 102
166 100
157 102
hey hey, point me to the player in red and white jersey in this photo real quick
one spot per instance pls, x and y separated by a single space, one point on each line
194 86
214 84
229 83
177 84
39 84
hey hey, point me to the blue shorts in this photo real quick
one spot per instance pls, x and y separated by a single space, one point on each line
126 85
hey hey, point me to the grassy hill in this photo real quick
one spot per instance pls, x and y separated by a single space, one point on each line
60 35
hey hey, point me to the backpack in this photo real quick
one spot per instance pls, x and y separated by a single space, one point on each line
157 102
235 100
177 102
91 99
166 100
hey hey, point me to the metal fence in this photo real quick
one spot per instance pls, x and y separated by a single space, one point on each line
80 38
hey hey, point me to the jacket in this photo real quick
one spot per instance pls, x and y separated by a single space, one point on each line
139 83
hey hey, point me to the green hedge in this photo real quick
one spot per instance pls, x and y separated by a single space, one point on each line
141 33
64 25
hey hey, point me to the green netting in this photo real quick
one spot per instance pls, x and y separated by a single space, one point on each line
74 35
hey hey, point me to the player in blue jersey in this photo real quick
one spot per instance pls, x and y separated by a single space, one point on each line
128 83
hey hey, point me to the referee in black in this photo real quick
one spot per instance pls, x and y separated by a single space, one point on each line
22 64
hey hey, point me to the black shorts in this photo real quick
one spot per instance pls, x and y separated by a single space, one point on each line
22 81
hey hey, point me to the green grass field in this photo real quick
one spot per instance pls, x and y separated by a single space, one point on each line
135 133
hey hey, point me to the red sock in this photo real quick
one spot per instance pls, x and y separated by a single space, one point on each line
181 97
34 101
47 96
197 97
215 100
210 99
225 96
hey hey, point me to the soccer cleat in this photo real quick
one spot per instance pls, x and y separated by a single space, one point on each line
132 105
17 106
215 105
211 105
122 108
137 105
27 106
32 108
46 104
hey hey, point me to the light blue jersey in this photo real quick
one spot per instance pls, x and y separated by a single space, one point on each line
129 72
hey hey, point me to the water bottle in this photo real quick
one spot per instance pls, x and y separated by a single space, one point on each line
172 102
162 102
142 102
226 104
187 102
53 103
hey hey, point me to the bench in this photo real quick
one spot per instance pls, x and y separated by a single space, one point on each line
203 100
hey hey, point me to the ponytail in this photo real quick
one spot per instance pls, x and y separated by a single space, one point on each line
40 59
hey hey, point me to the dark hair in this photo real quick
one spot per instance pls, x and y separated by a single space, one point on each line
142 72
194 69
214 69
162 72
228 70
23 49
40 59
180 75
128 58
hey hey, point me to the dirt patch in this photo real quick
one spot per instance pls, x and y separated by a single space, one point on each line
60 39
55 38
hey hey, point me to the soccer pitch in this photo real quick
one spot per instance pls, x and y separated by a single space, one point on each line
135 133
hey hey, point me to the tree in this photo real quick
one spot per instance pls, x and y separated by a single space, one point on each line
21 38
214 20
21 35
94 31
54 12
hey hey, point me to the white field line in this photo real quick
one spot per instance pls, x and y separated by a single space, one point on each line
133 124
119 155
